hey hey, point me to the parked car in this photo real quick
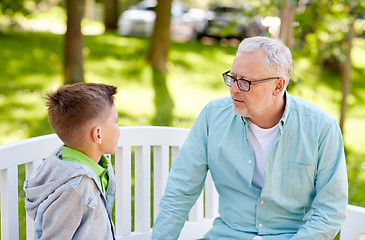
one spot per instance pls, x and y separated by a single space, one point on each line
200 18
229 22
139 20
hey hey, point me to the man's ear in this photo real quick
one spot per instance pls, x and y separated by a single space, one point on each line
279 86
96 135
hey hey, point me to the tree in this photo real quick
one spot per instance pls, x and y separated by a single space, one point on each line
111 14
346 74
287 15
73 63
160 44
11 8
89 9
355 8
327 27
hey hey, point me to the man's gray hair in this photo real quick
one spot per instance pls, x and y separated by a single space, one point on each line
278 59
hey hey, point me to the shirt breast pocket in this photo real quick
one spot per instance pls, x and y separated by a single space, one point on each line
297 183
89 192
92 201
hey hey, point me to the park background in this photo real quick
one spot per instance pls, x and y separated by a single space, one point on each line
327 42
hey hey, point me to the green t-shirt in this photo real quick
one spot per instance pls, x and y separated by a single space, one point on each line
100 169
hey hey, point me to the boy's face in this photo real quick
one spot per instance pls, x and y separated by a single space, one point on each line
110 130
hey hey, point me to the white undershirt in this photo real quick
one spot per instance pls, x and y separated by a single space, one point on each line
262 140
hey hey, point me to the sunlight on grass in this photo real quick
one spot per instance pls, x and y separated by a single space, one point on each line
358 53
20 113
190 100
136 101
129 43
53 15
11 135
352 136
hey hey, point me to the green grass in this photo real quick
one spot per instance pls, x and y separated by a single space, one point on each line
32 63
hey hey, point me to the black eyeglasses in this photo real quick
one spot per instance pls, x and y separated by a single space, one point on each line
243 84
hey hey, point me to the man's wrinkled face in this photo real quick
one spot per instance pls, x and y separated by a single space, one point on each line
259 99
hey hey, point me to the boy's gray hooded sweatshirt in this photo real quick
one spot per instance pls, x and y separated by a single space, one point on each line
66 202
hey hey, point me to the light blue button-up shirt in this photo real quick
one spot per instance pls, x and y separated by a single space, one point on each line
304 194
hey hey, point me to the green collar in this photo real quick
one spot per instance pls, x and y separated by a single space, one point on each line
72 155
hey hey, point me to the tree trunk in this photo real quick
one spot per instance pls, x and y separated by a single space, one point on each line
346 75
287 15
73 64
111 14
158 57
161 36
89 9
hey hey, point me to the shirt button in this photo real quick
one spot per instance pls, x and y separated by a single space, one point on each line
260 225
262 202
256 238
249 161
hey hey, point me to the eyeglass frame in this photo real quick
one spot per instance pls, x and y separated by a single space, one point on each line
245 80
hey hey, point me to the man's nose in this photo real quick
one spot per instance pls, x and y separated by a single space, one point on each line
235 88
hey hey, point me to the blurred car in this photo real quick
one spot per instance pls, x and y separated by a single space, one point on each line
139 20
229 22
199 18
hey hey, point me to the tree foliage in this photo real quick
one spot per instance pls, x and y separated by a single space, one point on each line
13 7
323 26
10 7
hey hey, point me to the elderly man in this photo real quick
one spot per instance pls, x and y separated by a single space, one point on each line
277 161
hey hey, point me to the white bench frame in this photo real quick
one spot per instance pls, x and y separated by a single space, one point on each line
354 225
165 142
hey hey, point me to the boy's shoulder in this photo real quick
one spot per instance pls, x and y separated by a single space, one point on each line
62 169
54 172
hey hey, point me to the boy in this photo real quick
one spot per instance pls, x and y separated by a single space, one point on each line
71 195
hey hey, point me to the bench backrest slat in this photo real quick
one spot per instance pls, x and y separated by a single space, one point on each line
29 169
142 189
9 203
211 205
161 172
123 193
28 150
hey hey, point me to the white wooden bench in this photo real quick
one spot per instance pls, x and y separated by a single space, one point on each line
354 227
147 150
150 151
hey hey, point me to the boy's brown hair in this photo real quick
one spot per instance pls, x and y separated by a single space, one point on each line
71 107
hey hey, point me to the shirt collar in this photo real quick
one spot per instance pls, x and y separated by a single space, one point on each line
288 101
72 155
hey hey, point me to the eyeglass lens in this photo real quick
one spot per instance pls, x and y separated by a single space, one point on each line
242 84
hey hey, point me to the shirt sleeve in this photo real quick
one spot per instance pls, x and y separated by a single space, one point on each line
63 216
331 186
185 183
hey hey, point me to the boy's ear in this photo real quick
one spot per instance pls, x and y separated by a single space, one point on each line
96 135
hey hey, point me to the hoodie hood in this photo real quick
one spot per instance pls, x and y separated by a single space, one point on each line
53 173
